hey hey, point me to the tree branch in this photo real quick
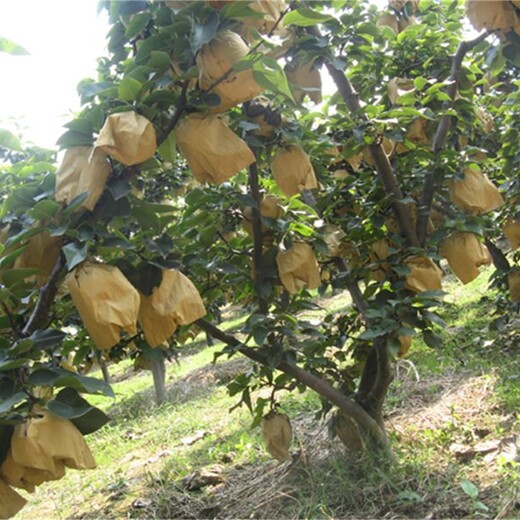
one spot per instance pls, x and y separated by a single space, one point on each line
441 136
39 316
181 107
500 260
375 434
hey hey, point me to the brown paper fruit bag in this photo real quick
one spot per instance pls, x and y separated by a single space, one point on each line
47 441
106 301
81 172
475 193
399 87
298 268
511 230
270 207
465 254
513 281
491 14
14 474
128 138
270 10
10 501
215 59
42 253
305 80
175 302
277 433
293 171
388 20
424 274
348 432
405 344
213 151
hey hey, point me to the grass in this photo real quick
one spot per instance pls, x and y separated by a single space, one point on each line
440 403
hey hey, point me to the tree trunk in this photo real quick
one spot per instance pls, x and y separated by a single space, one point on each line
159 378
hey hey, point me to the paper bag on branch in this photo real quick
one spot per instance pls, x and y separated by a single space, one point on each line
465 254
270 207
128 138
305 80
388 147
298 268
475 193
398 87
81 172
10 501
486 119
42 253
511 230
293 171
271 11
424 274
513 281
277 433
213 151
106 302
215 59
175 302
388 20
46 442
405 344
491 14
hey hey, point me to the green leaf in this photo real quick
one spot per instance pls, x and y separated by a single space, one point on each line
14 363
431 339
305 17
9 140
6 432
137 23
10 47
469 488
269 74
44 210
7 404
45 338
203 33
74 254
72 138
12 277
129 89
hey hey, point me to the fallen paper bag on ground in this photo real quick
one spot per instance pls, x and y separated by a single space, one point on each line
106 301
465 253
81 172
175 302
293 171
424 274
42 253
215 59
491 14
298 268
511 230
475 193
213 151
270 207
513 281
305 80
128 138
10 501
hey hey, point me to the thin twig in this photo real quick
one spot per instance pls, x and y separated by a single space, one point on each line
181 107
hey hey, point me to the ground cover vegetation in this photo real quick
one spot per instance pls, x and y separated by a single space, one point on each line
199 174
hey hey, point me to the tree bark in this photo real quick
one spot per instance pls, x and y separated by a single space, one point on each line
159 378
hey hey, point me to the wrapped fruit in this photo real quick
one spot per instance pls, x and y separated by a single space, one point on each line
271 11
214 152
261 112
388 147
513 281
486 119
424 274
512 232
405 343
298 268
491 14
10 501
106 301
277 433
215 59
465 254
141 362
398 87
128 138
293 171
79 173
270 207
475 193
42 253
388 20
348 432
305 80
175 302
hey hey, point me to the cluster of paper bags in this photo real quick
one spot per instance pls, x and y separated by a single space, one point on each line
41 448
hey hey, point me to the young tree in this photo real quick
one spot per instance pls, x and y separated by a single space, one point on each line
365 193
